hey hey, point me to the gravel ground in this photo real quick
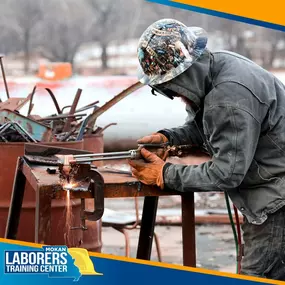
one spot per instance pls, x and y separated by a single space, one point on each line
215 248
202 201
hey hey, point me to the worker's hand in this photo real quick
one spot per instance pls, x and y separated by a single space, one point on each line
150 171
156 138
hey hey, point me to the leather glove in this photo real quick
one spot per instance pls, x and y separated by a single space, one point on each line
156 138
150 171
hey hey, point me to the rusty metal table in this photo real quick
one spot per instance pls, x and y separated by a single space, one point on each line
116 185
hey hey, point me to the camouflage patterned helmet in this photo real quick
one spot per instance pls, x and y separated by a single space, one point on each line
166 49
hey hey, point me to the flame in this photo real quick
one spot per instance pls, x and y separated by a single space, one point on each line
69 221
68 186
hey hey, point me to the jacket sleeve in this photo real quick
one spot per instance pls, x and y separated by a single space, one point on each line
186 134
232 132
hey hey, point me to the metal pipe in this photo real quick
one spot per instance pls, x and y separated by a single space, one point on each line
54 100
5 127
99 131
65 107
104 158
103 154
52 118
80 134
31 101
4 76
72 110
89 106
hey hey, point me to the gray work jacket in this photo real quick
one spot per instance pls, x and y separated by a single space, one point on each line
240 118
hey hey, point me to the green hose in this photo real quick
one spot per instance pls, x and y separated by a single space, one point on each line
233 227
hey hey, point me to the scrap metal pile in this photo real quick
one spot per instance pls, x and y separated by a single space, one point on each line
64 126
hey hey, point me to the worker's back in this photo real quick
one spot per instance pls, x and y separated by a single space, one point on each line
264 184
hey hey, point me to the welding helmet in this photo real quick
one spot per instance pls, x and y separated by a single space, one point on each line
166 49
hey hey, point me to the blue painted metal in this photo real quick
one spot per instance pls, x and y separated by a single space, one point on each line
38 131
19 129
82 128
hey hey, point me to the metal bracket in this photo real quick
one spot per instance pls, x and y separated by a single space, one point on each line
96 187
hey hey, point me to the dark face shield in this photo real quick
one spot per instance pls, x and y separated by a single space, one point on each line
163 91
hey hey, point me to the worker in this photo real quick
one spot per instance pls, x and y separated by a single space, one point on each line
236 110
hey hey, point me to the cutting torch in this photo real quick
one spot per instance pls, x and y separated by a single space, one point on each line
131 154
69 161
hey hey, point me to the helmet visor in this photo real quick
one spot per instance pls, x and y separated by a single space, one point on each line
163 91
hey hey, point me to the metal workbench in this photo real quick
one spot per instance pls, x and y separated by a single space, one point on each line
116 185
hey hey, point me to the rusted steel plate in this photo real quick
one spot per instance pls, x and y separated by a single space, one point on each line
116 184
31 177
39 132
13 104
43 217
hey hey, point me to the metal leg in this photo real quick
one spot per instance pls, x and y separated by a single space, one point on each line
127 239
147 228
43 216
16 202
157 247
188 230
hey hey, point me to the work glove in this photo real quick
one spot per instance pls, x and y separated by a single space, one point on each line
156 138
150 170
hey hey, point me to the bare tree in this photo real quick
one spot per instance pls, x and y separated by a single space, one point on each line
65 27
111 21
152 12
23 19
269 40
234 35
59 28
9 41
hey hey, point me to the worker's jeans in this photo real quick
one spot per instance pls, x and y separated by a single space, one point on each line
264 248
